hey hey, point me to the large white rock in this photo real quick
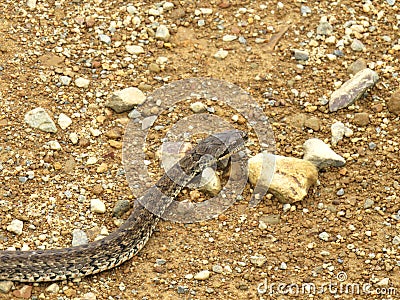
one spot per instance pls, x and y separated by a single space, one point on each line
287 178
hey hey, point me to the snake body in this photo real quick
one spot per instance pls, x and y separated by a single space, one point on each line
130 238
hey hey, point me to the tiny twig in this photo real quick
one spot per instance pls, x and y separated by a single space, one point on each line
275 39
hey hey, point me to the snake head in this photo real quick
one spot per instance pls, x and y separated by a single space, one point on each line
228 143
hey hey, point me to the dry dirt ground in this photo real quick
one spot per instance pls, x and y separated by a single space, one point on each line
52 39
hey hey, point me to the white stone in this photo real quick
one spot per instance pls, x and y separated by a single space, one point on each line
206 11
162 60
321 155
324 236
198 107
154 12
97 206
39 118
210 182
168 6
79 238
54 145
82 82
162 33
95 132
202 275
229 38
134 49
16 226
126 99
383 282
65 80
89 296
337 130
258 260
221 54
31 4
53 288
73 137
91 160
105 39
64 121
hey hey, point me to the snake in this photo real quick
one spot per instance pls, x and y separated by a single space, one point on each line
125 242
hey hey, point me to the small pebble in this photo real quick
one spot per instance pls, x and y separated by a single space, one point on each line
357 45
25 292
217 269
301 54
89 296
82 82
64 121
258 260
91 160
324 28
383 282
73 137
105 39
305 10
160 261
53 288
202 275
182 289
371 146
31 4
134 49
396 240
54 145
97 206
221 54
39 118
121 207
198 107
162 33
324 236
16 226
65 80
229 38
340 192
79 237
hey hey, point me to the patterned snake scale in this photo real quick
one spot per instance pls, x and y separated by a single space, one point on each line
130 238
